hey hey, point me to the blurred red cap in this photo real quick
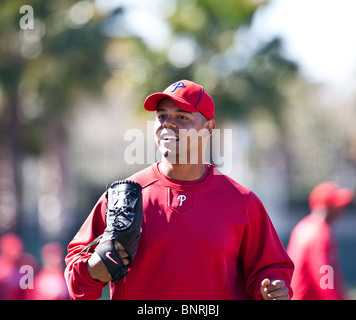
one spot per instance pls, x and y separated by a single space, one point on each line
329 194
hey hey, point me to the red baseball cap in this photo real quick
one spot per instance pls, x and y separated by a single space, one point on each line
330 194
188 96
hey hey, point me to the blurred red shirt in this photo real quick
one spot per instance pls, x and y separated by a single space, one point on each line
317 275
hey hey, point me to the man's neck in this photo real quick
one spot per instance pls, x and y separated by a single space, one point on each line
186 172
323 214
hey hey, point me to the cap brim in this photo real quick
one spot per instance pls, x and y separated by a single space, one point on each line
343 197
151 103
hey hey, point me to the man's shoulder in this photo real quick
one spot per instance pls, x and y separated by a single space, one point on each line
236 194
144 177
230 189
229 185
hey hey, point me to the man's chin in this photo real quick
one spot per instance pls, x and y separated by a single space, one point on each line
171 156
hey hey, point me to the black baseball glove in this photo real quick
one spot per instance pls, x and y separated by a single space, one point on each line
123 224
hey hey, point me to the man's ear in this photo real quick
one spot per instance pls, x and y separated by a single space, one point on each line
210 125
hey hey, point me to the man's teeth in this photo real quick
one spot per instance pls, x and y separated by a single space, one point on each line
170 138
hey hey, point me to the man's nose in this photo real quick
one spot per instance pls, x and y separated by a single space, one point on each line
169 122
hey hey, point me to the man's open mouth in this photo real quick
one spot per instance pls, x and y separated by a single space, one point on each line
169 138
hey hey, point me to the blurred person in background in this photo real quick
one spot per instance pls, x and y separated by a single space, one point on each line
12 258
313 248
49 282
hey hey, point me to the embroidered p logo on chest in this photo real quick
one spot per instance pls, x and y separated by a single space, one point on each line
180 201
181 198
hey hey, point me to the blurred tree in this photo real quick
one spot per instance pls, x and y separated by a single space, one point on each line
42 71
74 48
209 44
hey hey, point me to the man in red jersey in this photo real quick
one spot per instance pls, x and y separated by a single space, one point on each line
204 236
312 245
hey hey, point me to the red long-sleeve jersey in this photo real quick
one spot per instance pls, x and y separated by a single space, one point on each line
205 239
313 248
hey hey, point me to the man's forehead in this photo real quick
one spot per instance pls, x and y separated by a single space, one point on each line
169 105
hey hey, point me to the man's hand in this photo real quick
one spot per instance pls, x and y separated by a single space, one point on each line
96 266
275 290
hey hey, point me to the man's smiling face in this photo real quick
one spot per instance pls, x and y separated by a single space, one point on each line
173 127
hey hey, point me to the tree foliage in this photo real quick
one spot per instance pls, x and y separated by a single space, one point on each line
74 49
241 79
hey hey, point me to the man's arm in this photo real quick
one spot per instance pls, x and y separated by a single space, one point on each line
267 266
81 285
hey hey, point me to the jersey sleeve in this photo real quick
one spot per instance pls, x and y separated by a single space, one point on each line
81 285
263 254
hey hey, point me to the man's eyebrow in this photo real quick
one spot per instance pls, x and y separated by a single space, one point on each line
180 111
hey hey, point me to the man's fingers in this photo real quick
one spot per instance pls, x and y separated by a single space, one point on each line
275 285
118 245
279 294
286 297
265 283
274 290
122 253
